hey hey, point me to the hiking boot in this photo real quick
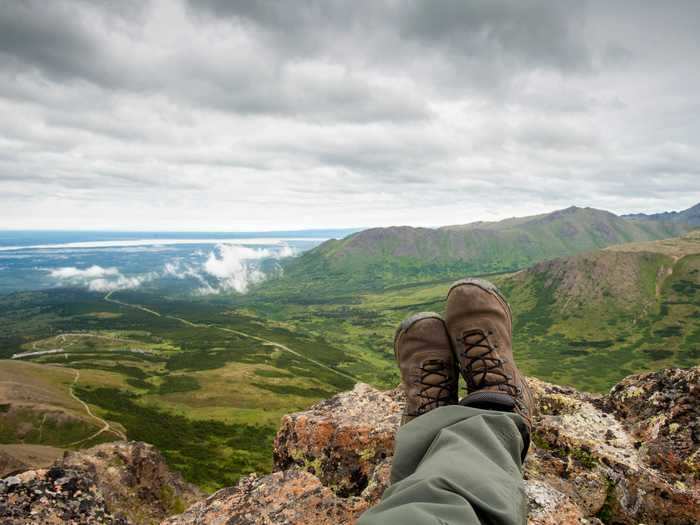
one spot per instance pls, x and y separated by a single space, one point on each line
427 364
480 325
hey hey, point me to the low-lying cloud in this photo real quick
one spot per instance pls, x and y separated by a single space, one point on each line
226 268
229 268
98 279
233 266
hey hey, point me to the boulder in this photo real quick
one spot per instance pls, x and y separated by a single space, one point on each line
54 496
135 480
291 496
120 483
341 440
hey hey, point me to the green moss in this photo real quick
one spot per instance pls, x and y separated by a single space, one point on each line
584 457
172 502
540 442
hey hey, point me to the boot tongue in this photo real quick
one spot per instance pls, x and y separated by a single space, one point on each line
489 400
436 379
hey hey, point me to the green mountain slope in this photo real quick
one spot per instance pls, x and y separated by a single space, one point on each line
589 320
586 320
380 256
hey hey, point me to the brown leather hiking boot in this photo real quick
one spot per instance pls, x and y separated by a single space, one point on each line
427 364
480 325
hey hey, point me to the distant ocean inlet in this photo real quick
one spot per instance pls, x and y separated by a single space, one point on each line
196 262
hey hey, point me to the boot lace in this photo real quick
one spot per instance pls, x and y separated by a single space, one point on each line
445 385
484 368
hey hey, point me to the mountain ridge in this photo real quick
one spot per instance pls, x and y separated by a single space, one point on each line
689 216
379 256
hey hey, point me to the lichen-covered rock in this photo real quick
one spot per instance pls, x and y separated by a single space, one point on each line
134 480
114 483
54 496
548 506
342 439
292 497
662 412
629 457
584 449
378 482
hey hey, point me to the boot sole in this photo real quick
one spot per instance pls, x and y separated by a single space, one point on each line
411 320
486 286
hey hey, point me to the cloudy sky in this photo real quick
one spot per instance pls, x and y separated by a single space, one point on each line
242 115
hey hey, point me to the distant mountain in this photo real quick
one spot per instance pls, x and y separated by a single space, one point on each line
690 216
381 256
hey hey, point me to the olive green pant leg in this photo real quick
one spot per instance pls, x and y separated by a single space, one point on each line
455 465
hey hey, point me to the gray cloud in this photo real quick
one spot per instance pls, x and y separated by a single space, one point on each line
260 114
529 34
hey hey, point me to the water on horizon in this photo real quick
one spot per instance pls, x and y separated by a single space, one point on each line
199 262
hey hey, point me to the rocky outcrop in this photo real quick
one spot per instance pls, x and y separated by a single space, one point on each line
629 457
341 440
662 413
589 452
626 458
53 496
290 496
135 480
121 483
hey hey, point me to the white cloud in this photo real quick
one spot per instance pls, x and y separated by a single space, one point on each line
179 270
238 267
93 272
98 279
233 268
227 268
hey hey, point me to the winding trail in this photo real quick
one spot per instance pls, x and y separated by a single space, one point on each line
106 427
264 341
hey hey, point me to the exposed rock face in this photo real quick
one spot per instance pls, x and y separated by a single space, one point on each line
53 496
115 483
341 440
135 480
586 451
662 412
290 496
626 458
